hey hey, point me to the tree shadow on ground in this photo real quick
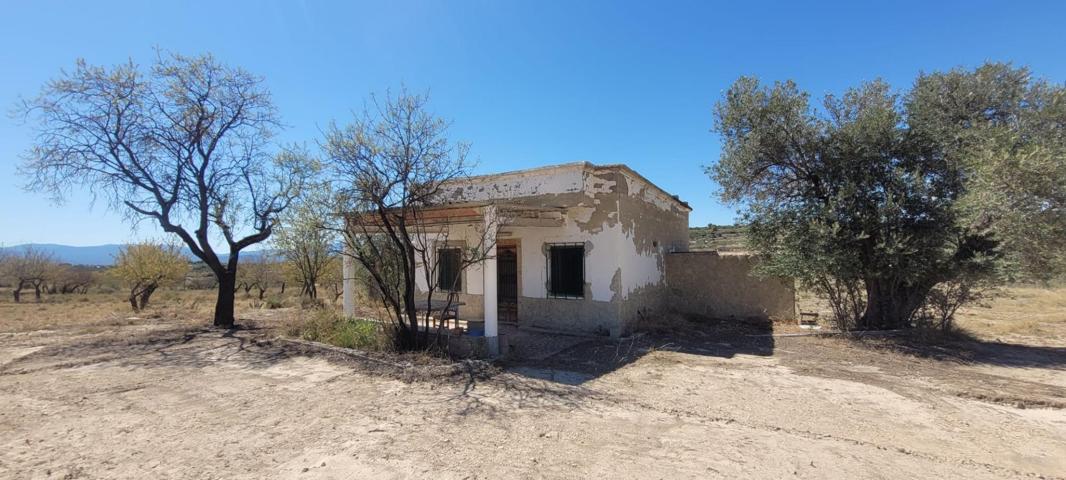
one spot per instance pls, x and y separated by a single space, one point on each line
962 348
705 336
173 346
726 338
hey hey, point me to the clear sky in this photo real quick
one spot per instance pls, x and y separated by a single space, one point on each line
527 83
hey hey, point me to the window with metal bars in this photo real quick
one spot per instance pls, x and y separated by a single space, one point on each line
449 277
566 270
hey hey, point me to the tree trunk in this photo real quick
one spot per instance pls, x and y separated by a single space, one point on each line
133 301
411 333
224 304
146 294
17 292
890 305
37 292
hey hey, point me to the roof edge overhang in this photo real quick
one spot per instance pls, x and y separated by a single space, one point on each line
584 166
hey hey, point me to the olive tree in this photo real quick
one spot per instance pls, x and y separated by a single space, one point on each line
144 267
1007 130
853 198
182 144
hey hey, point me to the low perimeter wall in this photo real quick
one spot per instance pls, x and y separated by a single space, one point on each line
721 286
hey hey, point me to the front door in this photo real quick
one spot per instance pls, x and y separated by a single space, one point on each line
507 276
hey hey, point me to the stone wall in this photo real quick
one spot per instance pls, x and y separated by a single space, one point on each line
721 286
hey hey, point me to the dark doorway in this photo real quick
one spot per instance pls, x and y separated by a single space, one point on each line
507 276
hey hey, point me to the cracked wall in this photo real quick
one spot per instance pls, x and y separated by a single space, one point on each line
626 224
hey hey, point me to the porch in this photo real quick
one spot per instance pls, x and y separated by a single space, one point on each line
486 297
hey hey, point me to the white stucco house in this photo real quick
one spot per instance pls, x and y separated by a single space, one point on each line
581 248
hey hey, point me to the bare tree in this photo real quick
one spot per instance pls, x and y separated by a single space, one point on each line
29 268
332 278
302 241
388 168
262 273
182 144
71 279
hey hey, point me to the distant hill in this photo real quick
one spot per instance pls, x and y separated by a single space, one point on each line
724 238
97 254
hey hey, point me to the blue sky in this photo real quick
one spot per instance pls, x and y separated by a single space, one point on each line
526 83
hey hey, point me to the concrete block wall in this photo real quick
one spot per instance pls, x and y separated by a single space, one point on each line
721 286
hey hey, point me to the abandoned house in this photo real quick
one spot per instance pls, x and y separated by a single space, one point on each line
582 248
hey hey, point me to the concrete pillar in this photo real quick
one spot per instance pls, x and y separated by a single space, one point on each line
348 280
489 270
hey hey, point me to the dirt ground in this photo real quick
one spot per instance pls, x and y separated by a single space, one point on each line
110 397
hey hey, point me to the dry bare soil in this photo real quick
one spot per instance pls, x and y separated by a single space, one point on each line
86 392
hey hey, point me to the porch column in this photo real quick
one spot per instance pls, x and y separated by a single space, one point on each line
489 270
348 281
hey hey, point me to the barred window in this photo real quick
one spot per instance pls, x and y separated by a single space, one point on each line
449 278
566 270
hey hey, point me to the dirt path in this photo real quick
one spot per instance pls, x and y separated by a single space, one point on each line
162 402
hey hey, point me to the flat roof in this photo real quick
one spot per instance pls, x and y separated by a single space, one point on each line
584 166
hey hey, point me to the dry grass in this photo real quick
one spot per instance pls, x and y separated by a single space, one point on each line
95 311
1034 315
1030 314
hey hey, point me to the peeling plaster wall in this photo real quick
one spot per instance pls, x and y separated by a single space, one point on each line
653 225
626 224
636 259
721 286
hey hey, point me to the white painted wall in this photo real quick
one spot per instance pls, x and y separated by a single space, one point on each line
600 262
611 248
473 281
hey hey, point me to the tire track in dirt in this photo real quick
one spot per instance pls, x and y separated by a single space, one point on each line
719 418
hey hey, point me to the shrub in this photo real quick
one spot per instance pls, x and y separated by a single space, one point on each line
938 311
329 326
311 303
273 302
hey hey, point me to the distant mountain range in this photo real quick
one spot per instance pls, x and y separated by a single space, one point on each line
99 254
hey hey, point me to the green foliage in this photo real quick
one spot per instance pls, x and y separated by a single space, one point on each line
1007 131
328 326
878 199
149 262
144 267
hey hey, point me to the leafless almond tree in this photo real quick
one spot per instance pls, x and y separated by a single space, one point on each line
182 144
30 267
387 168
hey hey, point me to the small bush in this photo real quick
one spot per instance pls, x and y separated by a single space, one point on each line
312 303
273 302
328 326
938 311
